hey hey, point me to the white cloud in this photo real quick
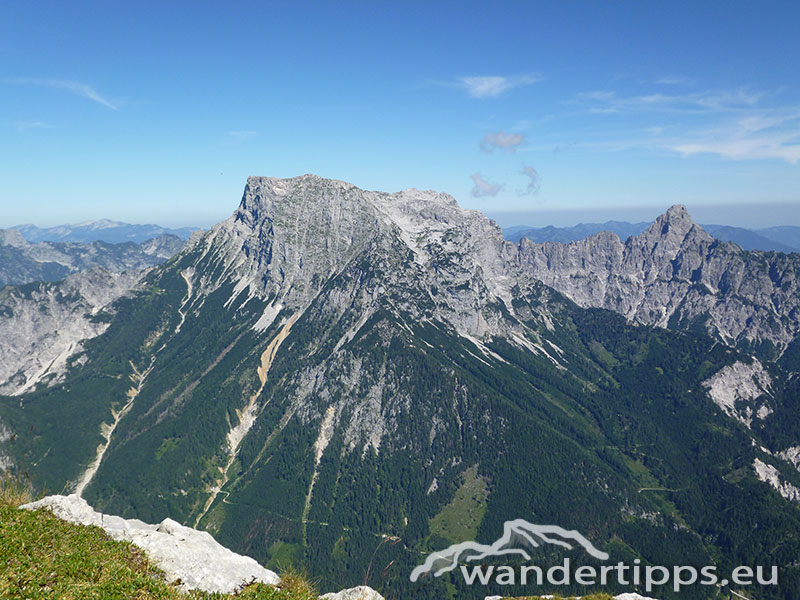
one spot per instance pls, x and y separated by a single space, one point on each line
493 86
744 143
502 141
533 180
744 149
483 187
754 134
74 87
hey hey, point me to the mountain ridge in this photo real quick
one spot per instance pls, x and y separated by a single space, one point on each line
101 230
784 239
24 262
674 274
374 355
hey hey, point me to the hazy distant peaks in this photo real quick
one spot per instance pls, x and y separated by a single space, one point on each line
103 230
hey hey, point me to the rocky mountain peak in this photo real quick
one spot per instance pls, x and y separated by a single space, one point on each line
675 272
12 237
674 227
265 193
289 236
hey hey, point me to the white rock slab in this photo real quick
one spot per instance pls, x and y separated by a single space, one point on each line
361 592
626 596
192 556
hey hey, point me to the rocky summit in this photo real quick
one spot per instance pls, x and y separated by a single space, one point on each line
676 275
348 380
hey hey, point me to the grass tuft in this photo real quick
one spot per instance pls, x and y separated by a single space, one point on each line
15 490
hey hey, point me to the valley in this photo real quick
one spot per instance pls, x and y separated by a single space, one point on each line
332 367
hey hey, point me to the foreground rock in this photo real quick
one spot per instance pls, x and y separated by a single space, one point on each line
625 596
183 553
361 592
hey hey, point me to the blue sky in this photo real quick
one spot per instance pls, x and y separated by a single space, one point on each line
558 111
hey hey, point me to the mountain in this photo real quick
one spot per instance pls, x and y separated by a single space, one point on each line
778 239
23 262
676 275
747 239
577 232
349 380
43 325
104 230
785 234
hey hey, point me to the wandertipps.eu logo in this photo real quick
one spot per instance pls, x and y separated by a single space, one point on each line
519 538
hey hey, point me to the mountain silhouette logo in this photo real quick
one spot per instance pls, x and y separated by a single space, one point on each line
518 538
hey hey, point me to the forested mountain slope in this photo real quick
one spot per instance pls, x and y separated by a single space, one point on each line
332 366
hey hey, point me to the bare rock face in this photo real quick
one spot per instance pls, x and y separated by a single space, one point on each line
625 596
181 552
741 390
771 475
676 275
23 262
289 237
42 325
361 592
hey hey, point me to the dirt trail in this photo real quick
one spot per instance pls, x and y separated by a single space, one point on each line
138 379
247 415
323 439
107 430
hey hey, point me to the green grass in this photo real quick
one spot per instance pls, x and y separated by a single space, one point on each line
460 519
42 556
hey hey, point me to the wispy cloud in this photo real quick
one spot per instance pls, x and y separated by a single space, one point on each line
242 135
757 135
744 149
735 124
673 80
495 85
604 101
502 141
533 181
483 187
74 87
25 126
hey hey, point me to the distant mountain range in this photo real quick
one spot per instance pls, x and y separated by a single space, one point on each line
103 230
784 238
24 262
348 380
